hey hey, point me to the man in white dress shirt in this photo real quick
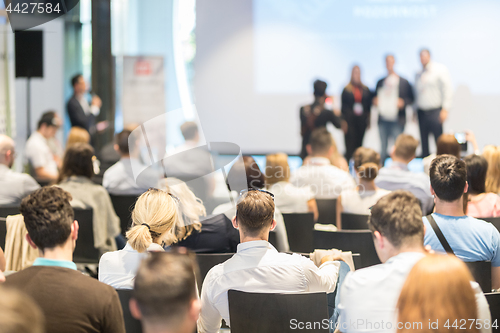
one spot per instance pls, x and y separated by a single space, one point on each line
14 186
325 180
433 92
368 296
258 267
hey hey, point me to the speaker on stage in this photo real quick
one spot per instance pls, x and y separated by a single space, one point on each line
29 53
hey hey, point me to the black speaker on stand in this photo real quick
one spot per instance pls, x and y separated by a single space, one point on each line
29 62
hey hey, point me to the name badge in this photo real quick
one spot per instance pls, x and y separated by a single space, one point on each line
358 109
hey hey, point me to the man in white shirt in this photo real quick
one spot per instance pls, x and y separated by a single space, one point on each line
38 152
368 296
325 180
257 266
434 92
14 186
397 176
119 179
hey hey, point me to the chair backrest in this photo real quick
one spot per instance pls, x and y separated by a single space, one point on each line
4 212
85 252
481 271
3 232
327 211
208 260
256 312
356 241
494 303
273 239
132 325
493 220
123 205
354 221
299 229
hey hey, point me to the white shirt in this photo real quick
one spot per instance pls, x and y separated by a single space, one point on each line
14 186
119 178
118 268
290 198
229 210
360 202
388 96
433 87
325 180
259 267
88 109
371 295
39 154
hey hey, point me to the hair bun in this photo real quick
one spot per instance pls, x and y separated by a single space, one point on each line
368 171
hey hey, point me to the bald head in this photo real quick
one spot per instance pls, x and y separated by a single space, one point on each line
6 150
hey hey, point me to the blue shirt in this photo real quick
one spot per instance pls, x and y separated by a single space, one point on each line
54 263
471 239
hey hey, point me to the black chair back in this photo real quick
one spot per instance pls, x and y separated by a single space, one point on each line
132 325
124 205
273 239
481 271
493 220
208 260
327 211
356 241
354 221
494 303
271 313
85 252
4 212
299 229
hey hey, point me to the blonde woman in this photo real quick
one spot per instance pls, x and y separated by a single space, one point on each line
77 134
153 225
439 290
492 155
287 197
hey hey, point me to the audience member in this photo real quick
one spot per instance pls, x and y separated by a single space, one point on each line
165 297
108 155
75 178
70 301
492 155
245 175
19 313
77 135
120 179
369 296
14 186
399 177
259 262
38 152
468 238
480 203
446 144
438 292
153 221
191 135
287 197
361 199
325 180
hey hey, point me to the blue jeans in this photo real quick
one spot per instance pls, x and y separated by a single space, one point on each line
334 298
387 130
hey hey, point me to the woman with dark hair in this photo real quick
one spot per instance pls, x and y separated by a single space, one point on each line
446 144
75 178
356 104
481 204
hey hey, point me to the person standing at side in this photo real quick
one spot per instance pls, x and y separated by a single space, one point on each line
394 93
433 92
356 104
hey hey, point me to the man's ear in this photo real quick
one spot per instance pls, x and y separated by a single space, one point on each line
309 150
194 310
432 191
466 188
235 223
379 239
331 151
74 230
273 225
134 309
30 241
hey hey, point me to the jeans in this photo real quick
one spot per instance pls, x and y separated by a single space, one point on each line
334 298
387 130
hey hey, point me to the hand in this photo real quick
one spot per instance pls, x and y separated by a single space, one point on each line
375 101
443 115
401 103
96 100
344 126
469 136
330 258
102 125
428 249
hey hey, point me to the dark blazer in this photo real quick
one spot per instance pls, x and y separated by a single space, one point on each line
78 117
405 92
348 103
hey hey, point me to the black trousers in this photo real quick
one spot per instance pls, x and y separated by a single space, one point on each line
355 134
429 122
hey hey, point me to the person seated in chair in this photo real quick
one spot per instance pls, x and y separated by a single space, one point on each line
256 260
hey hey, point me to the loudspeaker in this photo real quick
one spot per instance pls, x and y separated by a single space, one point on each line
29 53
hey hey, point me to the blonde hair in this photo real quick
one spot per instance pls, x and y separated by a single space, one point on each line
153 219
191 208
492 155
437 288
277 168
19 313
77 135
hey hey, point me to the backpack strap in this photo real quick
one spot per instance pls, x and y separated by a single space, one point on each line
439 234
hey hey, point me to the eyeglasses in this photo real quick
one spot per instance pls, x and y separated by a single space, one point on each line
242 192
176 198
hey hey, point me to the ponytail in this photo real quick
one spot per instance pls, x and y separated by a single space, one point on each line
368 171
139 237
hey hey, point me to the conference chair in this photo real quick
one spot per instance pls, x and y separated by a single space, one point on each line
481 271
493 220
132 325
299 229
9 210
354 221
123 205
356 241
85 252
270 313
273 239
4 212
208 260
327 211
494 303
